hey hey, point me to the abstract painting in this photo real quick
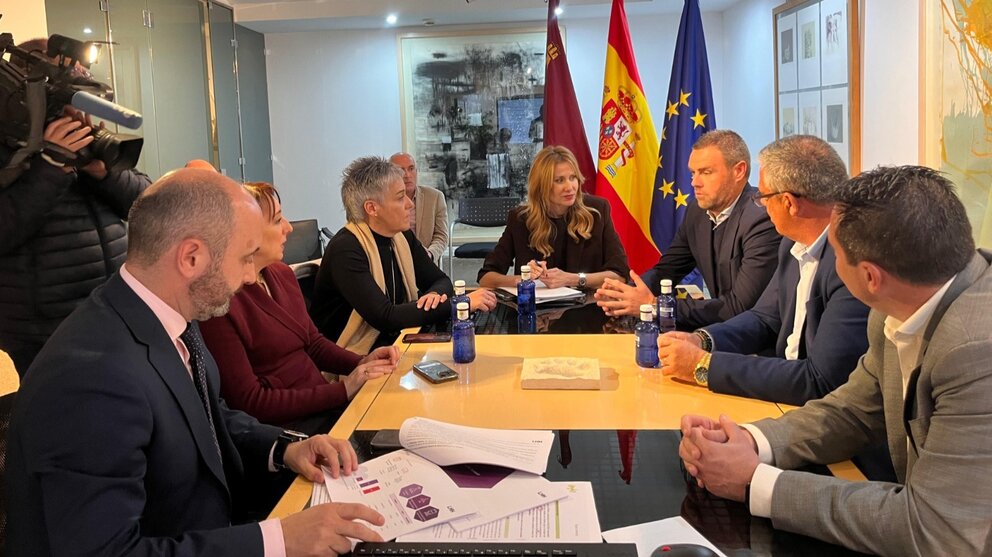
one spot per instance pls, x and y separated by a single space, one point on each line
472 109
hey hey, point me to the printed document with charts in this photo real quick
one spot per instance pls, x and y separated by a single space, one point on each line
409 491
414 493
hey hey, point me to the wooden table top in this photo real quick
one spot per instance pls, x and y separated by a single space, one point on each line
488 392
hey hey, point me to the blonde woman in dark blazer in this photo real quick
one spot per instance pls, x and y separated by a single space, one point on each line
566 236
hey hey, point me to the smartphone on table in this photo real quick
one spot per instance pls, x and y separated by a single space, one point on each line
434 371
416 338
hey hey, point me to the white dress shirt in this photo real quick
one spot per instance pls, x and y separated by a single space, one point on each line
174 324
907 336
809 261
723 215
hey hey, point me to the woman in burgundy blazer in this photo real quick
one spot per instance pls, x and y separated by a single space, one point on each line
268 350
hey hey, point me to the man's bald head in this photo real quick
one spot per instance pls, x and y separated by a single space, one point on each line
185 203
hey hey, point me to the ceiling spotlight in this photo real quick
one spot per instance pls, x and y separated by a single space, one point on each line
391 19
559 10
87 30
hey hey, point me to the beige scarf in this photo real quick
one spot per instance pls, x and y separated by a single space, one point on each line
358 336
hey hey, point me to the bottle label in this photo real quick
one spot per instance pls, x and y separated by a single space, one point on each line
667 313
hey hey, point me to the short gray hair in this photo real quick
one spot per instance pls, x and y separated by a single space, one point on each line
731 146
364 179
804 165
187 204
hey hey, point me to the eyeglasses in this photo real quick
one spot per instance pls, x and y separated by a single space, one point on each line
761 199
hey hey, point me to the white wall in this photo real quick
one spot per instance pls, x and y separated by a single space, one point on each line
346 105
748 57
890 112
334 96
25 19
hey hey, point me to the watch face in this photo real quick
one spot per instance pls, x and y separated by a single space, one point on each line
702 375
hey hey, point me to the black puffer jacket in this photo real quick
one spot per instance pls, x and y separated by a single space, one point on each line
61 236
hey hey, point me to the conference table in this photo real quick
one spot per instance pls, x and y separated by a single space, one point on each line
623 438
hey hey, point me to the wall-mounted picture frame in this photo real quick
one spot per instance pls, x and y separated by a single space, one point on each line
956 106
817 74
472 108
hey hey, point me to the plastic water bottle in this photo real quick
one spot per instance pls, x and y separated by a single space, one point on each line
463 336
646 339
459 297
666 307
526 303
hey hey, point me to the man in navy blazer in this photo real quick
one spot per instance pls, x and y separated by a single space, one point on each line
815 343
726 236
118 442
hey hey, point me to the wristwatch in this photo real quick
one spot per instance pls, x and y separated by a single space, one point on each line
282 442
582 280
702 372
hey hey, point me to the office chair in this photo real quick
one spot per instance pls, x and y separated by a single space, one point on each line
306 276
304 243
482 212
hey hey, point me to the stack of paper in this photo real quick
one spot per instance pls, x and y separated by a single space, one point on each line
544 294
650 535
490 486
570 519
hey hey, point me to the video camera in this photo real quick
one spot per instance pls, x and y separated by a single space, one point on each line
33 93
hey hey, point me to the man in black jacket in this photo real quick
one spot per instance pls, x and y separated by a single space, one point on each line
61 235
724 235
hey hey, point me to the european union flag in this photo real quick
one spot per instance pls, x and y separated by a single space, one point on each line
688 114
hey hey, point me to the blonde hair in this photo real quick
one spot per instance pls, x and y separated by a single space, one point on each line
540 184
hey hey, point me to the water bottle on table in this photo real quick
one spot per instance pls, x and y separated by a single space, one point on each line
666 308
526 303
462 336
646 339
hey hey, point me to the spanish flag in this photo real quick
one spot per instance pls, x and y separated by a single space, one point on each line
628 147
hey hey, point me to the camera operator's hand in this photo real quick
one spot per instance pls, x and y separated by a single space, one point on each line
70 134
95 167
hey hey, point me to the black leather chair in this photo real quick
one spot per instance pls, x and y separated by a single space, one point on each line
306 275
305 242
481 212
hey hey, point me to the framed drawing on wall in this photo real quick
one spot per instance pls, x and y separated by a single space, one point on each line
956 105
817 74
472 108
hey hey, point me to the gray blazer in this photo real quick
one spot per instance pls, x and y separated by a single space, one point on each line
940 439
432 222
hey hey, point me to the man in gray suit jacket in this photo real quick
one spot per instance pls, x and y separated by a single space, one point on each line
429 217
904 247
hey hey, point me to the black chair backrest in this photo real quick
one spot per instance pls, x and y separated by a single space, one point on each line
6 406
485 211
306 276
303 243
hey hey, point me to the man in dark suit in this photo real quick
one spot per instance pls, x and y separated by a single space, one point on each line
806 317
726 236
118 442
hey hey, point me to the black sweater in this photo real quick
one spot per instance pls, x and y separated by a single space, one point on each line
344 282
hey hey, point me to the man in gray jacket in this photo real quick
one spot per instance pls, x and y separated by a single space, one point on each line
904 247
429 216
